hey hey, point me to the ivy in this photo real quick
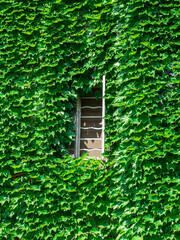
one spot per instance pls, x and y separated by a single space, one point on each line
50 51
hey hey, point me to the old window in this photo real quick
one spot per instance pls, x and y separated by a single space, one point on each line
90 124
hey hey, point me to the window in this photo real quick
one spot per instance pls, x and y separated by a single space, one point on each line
90 124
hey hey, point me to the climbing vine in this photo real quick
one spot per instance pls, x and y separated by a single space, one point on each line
50 51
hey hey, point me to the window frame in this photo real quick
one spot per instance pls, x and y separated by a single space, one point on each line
78 138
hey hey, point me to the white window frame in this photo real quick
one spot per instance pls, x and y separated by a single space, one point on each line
78 123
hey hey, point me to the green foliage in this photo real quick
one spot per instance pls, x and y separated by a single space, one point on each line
143 131
56 200
49 52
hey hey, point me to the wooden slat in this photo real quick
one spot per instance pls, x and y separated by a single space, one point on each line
90 149
91 128
85 107
90 138
91 117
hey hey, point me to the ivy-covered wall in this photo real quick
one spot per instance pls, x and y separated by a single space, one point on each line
50 51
